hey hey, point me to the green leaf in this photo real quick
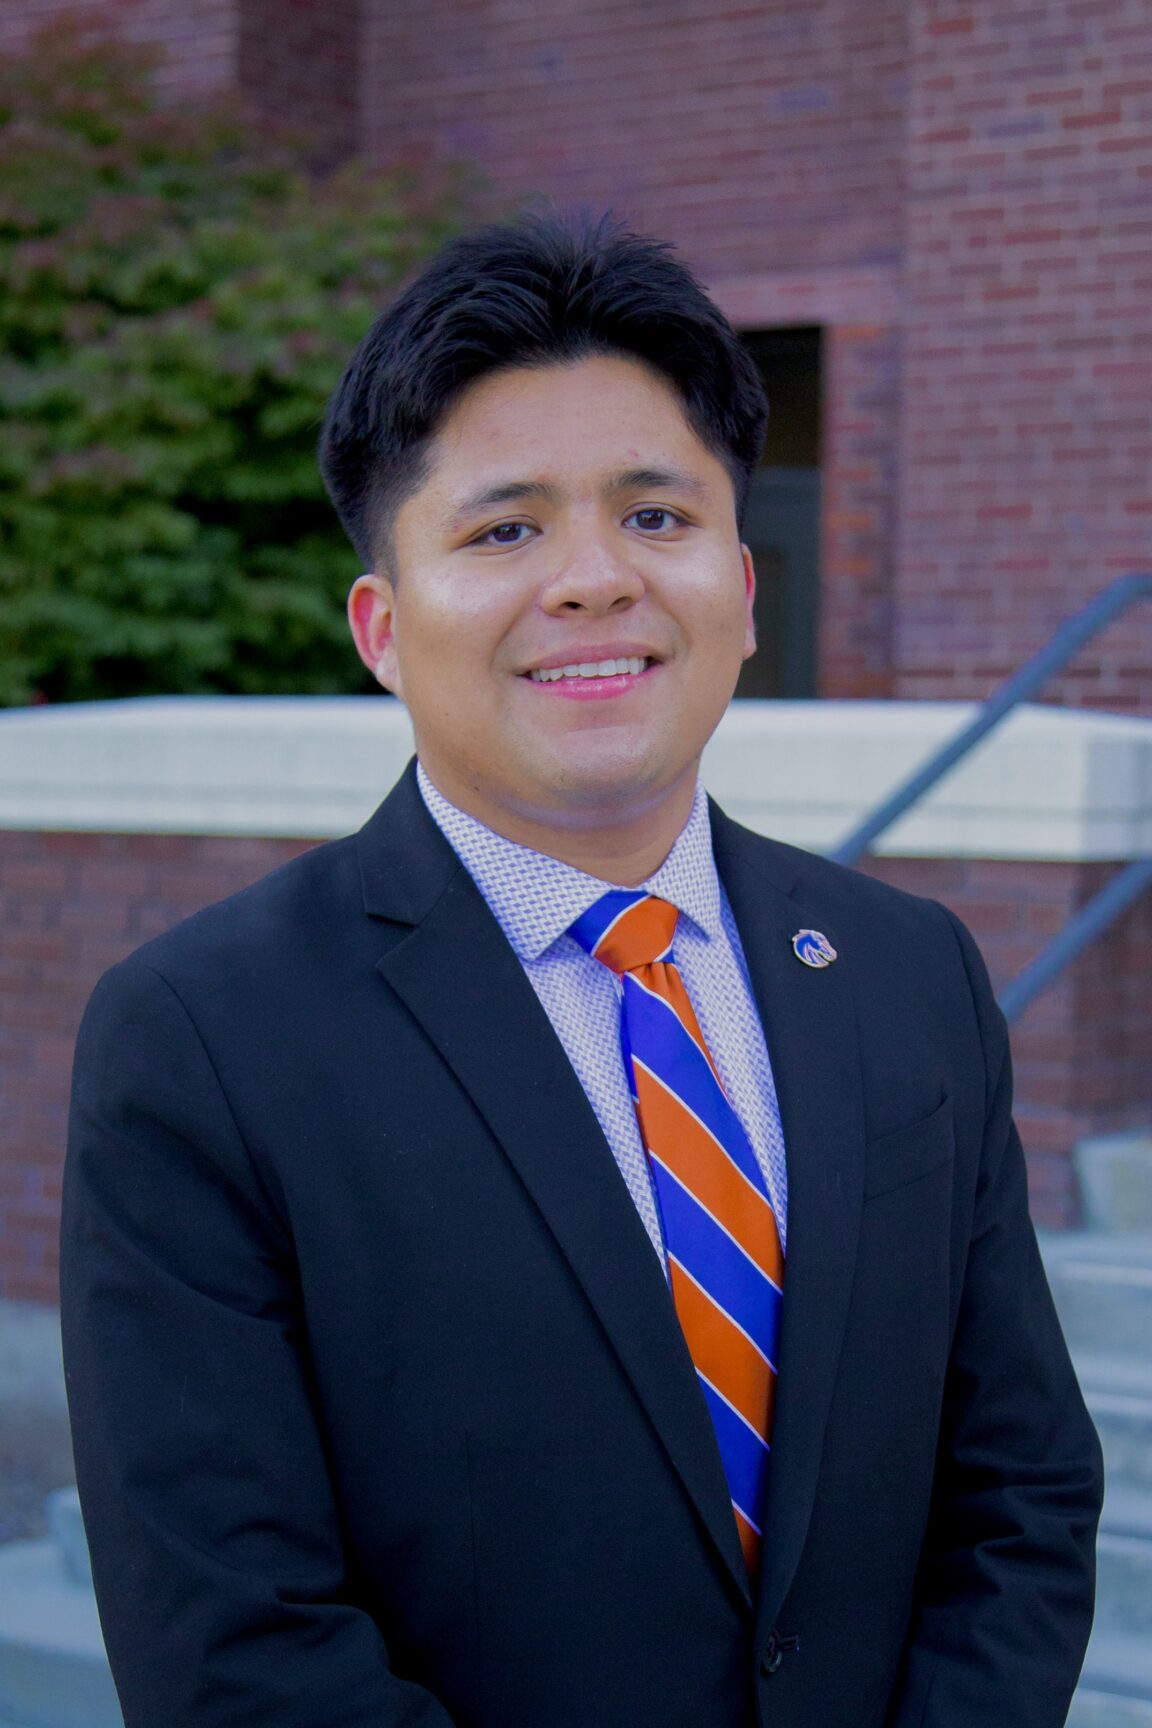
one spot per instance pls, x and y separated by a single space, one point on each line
178 297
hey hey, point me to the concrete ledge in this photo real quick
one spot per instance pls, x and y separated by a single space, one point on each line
299 766
1053 783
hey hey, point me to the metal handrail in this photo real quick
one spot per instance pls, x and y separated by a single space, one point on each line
1052 658
1083 927
1125 886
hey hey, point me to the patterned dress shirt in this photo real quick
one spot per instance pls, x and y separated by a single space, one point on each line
535 898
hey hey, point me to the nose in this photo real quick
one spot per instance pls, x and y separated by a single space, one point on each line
592 577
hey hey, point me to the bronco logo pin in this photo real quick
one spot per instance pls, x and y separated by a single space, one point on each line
814 948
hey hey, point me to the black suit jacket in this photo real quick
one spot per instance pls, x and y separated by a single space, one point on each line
382 1413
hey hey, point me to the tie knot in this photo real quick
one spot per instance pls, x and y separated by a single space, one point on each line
627 928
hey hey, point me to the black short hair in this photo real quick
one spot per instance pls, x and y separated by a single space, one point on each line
539 291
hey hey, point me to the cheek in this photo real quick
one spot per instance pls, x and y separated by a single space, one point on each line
464 618
723 620
448 657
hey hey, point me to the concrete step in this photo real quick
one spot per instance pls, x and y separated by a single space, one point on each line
35 1448
1091 1709
1103 1290
66 1525
1118 1666
1118 1392
1124 1545
1124 1586
1115 1172
53 1670
1127 1512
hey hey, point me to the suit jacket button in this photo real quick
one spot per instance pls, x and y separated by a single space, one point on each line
775 1650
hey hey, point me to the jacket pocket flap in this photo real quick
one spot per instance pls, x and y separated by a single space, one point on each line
905 1154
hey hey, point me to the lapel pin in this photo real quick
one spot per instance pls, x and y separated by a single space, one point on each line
814 948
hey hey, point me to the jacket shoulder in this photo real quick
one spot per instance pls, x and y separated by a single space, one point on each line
808 875
276 916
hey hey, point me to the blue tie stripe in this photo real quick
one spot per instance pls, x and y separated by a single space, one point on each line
745 1454
589 928
674 1056
722 1268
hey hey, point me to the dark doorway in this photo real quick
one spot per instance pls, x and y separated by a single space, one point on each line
782 525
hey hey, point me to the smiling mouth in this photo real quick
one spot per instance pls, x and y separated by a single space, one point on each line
631 665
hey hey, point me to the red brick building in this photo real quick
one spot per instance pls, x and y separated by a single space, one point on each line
933 221
933 216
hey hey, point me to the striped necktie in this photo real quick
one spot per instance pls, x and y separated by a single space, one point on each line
725 1263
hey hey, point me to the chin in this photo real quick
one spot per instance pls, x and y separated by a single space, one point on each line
611 783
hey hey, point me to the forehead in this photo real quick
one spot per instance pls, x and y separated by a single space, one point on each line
571 423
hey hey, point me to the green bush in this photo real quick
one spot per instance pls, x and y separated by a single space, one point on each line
177 299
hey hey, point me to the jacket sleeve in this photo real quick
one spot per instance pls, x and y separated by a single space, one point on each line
1006 1583
215 1537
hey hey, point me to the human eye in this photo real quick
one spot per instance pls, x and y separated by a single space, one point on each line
654 519
502 534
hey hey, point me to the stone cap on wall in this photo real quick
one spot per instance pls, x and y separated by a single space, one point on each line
1052 783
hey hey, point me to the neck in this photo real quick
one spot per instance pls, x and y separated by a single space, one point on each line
622 848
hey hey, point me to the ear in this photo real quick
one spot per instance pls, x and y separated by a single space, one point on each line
371 619
749 599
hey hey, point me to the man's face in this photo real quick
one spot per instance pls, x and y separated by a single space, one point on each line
570 604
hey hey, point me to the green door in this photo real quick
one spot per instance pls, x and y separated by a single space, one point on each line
782 530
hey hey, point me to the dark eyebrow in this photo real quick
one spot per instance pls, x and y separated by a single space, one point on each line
507 492
659 479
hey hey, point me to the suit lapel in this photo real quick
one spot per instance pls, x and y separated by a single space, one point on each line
813 1041
460 979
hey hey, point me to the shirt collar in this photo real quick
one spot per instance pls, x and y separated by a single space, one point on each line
535 897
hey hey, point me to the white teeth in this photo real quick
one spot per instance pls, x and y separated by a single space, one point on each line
633 664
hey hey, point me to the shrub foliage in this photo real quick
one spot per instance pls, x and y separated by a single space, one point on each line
177 298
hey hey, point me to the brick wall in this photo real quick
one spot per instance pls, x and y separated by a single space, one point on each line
197 39
766 138
73 904
858 529
1026 449
299 61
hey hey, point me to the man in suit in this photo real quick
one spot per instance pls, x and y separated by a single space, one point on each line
556 1259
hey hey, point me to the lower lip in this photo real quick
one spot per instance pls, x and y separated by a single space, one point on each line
593 689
